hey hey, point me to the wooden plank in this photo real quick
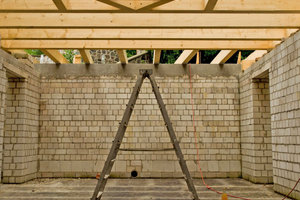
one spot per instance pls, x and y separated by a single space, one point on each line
123 56
86 56
61 5
157 54
117 5
27 5
176 6
239 61
223 56
257 5
186 56
147 20
55 56
256 54
210 4
145 34
198 60
139 44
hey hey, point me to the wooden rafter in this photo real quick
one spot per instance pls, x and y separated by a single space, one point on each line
186 56
145 34
209 5
252 58
139 20
139 44
61 5
122 56
154 5
86 56
156 58
55 56
223 56
256 54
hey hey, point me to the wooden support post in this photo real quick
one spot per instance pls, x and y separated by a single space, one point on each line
239 60
123 56
198 57
156 59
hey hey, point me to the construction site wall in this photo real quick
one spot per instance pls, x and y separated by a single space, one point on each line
83 105
270 118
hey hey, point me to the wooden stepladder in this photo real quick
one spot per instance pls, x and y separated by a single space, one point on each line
144 73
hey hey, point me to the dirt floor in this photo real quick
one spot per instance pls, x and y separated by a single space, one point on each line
135 189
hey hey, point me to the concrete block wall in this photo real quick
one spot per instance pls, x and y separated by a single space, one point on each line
256 129
21 119
81 112
282 67
3 80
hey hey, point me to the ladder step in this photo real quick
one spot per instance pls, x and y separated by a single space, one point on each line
99 194
169 149
106 176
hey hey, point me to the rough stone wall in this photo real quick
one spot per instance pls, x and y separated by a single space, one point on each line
80 116
20 141
111 56
282 67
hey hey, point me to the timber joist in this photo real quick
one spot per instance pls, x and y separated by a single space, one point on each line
147 24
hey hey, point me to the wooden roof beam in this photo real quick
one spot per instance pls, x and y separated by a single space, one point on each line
146 20
86 56
186 56
156 58
55 56
223 56
140 44
123 56
157 34
61 5
209 5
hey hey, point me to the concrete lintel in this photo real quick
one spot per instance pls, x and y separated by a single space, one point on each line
15 71
132 70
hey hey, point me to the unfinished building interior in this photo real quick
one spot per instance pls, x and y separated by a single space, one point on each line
59 120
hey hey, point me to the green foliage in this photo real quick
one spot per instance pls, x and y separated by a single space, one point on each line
169 57
34 52
130 53
208 56
69 55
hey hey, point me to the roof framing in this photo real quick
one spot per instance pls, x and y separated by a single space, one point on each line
190 25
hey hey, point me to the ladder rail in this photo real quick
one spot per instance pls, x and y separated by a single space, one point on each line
118 139
174 140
